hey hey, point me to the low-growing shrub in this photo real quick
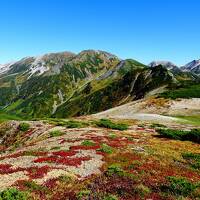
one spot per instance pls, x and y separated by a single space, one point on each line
110 197
155 125
24 126
75 124
112 136
56 133
83 194
13 194
115 169
55 148
179 186
65 178
88 143
106 123
32 186
192 135
106 149
68 123
193 158
142 190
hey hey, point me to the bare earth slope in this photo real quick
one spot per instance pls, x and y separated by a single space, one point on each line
152 109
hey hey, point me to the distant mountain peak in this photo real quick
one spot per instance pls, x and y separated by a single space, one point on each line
166 64
193 66
5 67
91 52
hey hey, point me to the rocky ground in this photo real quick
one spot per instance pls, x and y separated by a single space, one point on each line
154 110
51 161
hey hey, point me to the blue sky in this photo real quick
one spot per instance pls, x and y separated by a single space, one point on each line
145 30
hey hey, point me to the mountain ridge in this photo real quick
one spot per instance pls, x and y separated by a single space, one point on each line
67 84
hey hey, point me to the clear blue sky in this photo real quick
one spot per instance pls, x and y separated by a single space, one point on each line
145 30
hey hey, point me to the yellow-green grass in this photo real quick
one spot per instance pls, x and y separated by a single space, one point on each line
194 120
6 117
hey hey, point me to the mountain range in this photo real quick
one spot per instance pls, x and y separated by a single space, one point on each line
67 84
193 66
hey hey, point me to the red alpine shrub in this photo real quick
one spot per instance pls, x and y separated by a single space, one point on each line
37 172
64 153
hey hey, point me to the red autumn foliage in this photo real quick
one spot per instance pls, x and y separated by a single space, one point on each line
40 153
63 160
67 194
20 184
140 129
14 155
156 196
118 142
114 144
82 147
6 169
37 172
113 185
97 139
69 140
51 183
64 153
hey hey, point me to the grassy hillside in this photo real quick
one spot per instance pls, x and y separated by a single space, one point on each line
185 91
123 86
39 96
6 117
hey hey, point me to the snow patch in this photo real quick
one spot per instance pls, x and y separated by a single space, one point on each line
4 68
38 66
60 96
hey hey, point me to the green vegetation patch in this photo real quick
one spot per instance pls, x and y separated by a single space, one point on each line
56 133
194 120
192 135
32 186
106 123
106 149
179 186
142 190
83 194
193 159
110 197
24 126
155 125
112 136
13 194
186 91
6 117
76 124
88 143
68 123
115 169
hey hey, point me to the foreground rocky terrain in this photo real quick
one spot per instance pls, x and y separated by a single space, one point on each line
87 158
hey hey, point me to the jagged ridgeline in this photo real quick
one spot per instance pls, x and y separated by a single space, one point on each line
67 84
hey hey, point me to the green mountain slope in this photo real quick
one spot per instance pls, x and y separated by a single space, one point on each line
67 84
128 83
